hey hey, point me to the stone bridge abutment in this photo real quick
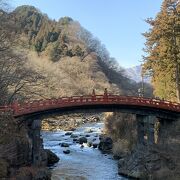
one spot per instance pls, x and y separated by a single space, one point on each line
151 129
33 126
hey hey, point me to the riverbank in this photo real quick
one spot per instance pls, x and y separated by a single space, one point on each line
70 122
143 160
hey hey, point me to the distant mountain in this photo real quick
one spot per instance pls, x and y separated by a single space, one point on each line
134 73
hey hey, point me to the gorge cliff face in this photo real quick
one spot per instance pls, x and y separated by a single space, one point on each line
21 150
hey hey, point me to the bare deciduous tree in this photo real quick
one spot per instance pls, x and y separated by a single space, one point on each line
15 76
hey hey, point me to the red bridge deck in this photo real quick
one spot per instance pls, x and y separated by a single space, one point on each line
36 106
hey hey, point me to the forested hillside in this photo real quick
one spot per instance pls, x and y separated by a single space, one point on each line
63 57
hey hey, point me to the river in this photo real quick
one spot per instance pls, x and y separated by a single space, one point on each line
83 163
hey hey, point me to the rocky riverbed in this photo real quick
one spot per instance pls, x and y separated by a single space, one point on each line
70 122
79 155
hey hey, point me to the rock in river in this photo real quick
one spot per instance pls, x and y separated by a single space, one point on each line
66 151
51 157
68 133
105 144
74 136
82 140
89 144
64 145
95 145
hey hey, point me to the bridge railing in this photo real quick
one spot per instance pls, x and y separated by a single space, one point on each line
40 105
5 108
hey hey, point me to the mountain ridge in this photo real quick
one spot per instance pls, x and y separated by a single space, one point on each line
71 60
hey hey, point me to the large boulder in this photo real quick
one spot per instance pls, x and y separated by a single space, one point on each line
105 144
149 163
82 140
51 157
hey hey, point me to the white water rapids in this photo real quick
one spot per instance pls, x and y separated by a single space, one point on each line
85 163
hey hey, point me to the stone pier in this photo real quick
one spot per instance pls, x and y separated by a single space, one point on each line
36 142
145 129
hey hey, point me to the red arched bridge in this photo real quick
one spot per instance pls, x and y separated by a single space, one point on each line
132 104
148 112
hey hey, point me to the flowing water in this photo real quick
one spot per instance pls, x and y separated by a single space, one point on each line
83 163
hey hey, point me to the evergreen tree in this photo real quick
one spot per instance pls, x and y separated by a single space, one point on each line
162 48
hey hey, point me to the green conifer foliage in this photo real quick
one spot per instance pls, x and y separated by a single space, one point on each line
162 48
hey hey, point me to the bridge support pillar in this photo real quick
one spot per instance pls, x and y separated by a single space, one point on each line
150 129
145 129
163 132
140 129
36 142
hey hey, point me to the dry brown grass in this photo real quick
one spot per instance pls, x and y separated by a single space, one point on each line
120 147
122 128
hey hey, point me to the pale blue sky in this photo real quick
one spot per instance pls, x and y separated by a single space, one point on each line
117 23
